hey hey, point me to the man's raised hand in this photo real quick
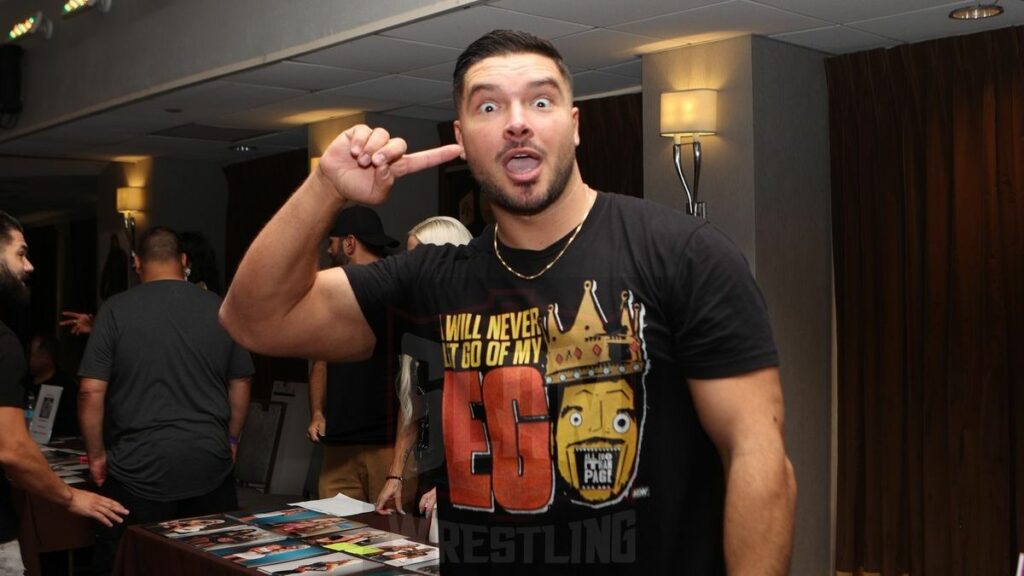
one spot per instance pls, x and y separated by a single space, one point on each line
362 163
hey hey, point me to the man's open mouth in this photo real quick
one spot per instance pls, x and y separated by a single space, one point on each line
522 163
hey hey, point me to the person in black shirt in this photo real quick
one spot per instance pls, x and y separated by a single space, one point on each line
19 456
352 405
611 397
44 365
164 396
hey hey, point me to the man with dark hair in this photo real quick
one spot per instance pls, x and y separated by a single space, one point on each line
164 396
352 405
611 398
44 364
21 460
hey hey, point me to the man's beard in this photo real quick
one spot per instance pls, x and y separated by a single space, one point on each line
563 167
12 290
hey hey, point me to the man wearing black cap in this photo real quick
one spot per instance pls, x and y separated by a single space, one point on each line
356 423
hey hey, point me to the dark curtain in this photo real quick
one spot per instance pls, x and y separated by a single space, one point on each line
928 222
79 287
256 190
611 150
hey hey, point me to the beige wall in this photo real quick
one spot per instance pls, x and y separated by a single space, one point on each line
766 181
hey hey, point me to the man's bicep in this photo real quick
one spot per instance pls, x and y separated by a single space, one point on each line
328 323
743 412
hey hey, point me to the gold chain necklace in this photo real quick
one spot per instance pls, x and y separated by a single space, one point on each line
549 264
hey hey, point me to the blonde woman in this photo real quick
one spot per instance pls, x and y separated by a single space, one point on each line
437 230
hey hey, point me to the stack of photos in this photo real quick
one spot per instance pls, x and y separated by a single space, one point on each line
67 464
231 536
286 550
286 515
298 541
321 524
200 525
379 546
358 542
429 567
331 564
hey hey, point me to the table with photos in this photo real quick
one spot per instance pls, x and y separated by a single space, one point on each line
291 540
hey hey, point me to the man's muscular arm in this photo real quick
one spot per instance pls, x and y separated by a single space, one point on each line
743 416
278 303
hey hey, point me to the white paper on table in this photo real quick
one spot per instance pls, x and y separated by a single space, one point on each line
44 413
340 505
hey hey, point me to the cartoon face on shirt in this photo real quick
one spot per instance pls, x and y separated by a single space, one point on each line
596 438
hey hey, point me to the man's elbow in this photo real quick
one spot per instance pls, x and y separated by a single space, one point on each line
228 318
245 332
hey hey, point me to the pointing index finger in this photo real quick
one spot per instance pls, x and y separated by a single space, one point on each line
424 159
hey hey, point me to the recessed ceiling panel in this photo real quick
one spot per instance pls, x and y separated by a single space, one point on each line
836 39
301 76
846 11
439 72
602 13
381 54
599 48
222 134
725 20
402 89
459 28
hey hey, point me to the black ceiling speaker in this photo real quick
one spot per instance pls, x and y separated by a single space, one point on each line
10 79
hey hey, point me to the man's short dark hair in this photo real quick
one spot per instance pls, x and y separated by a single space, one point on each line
159 244
499 43
48 344
8 224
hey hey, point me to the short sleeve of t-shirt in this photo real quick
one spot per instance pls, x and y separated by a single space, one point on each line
383 283
721 326
241 362
12 370
98 360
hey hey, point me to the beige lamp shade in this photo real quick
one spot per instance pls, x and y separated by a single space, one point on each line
689 112
130 199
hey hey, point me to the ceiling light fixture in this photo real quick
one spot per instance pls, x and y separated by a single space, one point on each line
34 24
976 12
243 148
73 7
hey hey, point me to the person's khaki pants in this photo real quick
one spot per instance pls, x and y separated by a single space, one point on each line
359 472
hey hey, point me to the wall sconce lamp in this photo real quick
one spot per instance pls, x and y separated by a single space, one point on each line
689 114
129 201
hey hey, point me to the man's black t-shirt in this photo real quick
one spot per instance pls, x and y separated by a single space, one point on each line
360 401
167 360
571 439
13 371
